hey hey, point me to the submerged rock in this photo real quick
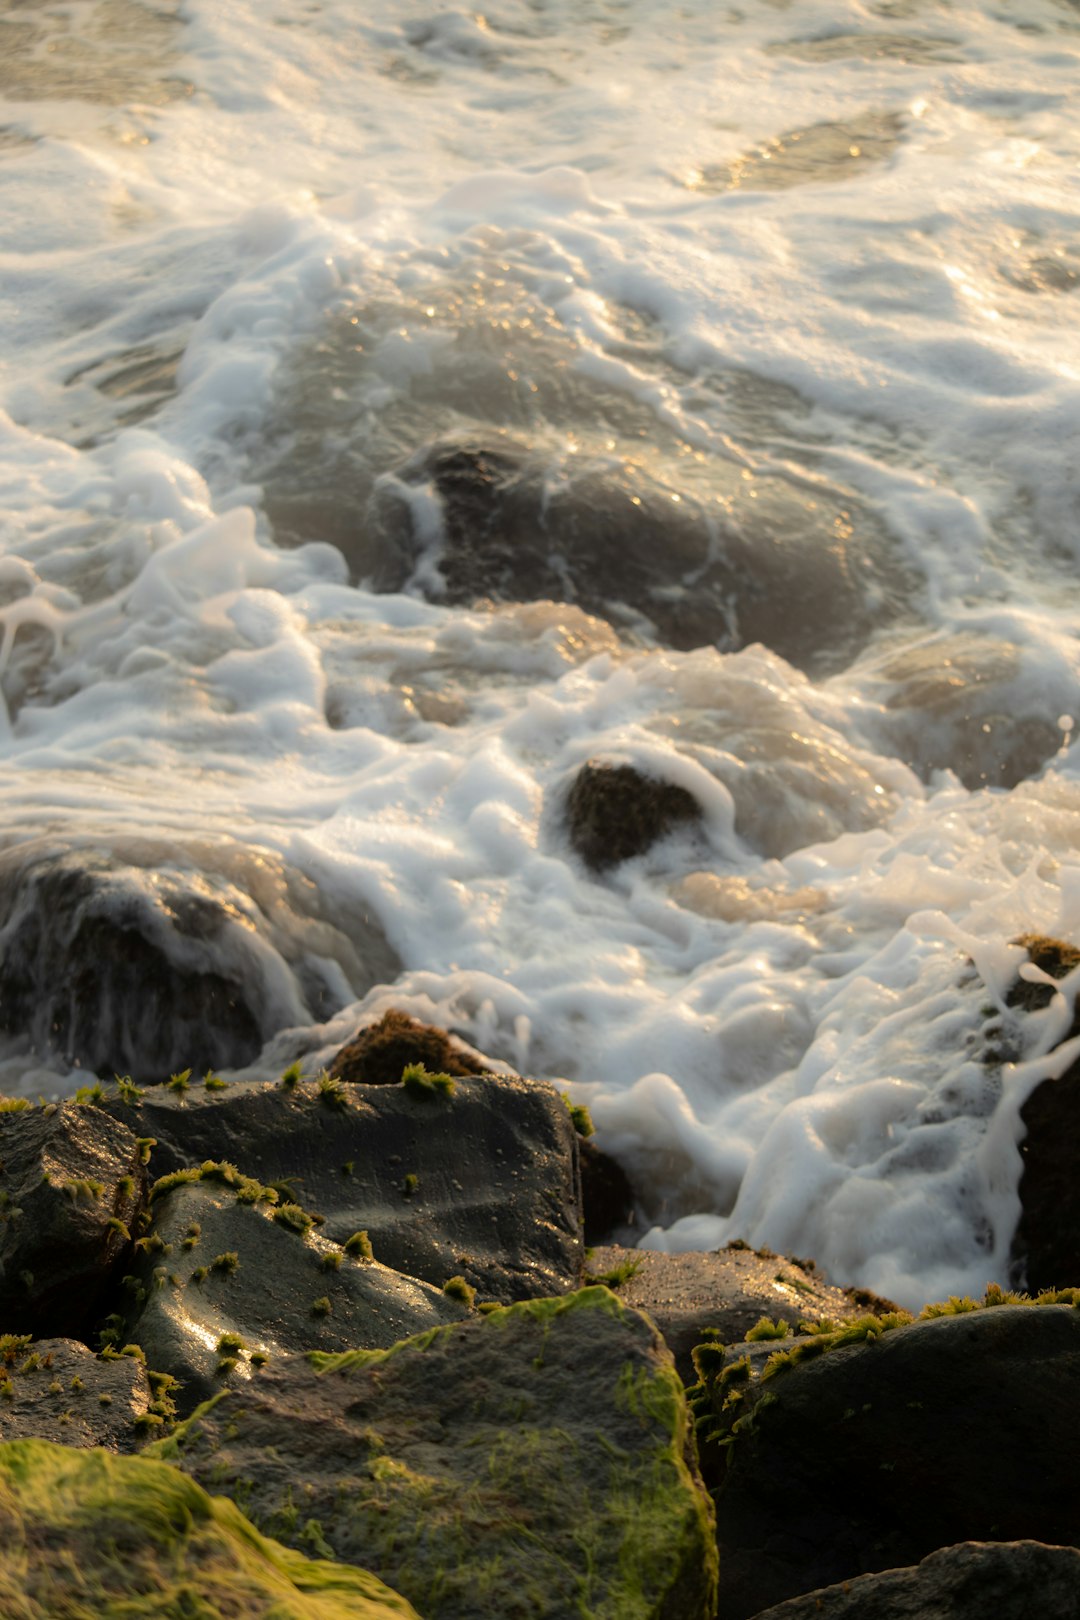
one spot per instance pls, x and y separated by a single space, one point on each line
71 1184
89 1533
139 965
379 1053
1011 1580
482 1183
532 1464
606 1194
228 1275
57 1389
1046 1249
615 812
872 1454
727 1292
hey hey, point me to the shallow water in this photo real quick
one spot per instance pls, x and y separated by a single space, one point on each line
400 410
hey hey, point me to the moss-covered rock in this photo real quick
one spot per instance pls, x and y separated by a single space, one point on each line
614 812
91 1536
533 1463
381 1051
57 1389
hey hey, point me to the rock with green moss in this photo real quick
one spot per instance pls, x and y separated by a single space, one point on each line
248 1283
726 1292
533 1463
483 1183
87 1533
1011 1580
71 1185
867 1447
57 1389
380 1052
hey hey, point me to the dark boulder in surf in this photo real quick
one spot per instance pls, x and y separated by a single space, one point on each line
614 812
146 962
763 560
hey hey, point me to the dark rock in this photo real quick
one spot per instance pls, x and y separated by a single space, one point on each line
1046 1249
131 966
615 812
872 1455
606 1194
57 1389
532 1464
496 1196
1010 1580
727 1292
89 1533
603 533
380 1052
71 1184
284 1288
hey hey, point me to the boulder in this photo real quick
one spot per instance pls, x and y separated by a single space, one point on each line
531 1464
727 1292
57 1389
614 812
71 1185
90 1533
228 1272
144 964
481 1183
1046 1248
379 1053
606 1194
1010 1580
892 1441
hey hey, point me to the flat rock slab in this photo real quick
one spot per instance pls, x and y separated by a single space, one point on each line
219 1271
57 1389
726 1292
482 1184
870 1456
532 1464
71 1182
89 1533
977 1580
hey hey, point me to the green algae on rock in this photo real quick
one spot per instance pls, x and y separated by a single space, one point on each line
531 1463
93 1536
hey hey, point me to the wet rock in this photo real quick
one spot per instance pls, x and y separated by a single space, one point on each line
90 1533
227 1274
615 812
507 522
483 1183
1046 1249
131 966
57 1389
534 1463
874 1453
606 1194
71 1184
377 1056
1011 1580
727 1292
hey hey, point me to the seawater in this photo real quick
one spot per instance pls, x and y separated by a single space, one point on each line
816 255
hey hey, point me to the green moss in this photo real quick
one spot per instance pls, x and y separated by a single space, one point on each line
411 1185
765 1329
180 1082
229 1344
331 1260
258 1358
321 1307
295 1218
359 1246
14 1105
622 1273
115 1224
417 1080
226 1263
126 1186
580 1116
90 1095
127 1091
214 1082
85 1190
331 1093
291 1078
457 1288
144 1145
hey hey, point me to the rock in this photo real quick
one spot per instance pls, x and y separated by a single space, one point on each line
141 965
379 1053
875 1453
1046 1248
606 1194
531 1464
57 1389
71 1184
1011 1580
223 1278
727 1292
89 1533
482 1184
615 812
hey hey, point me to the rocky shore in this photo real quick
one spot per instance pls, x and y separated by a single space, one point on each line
335 1345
